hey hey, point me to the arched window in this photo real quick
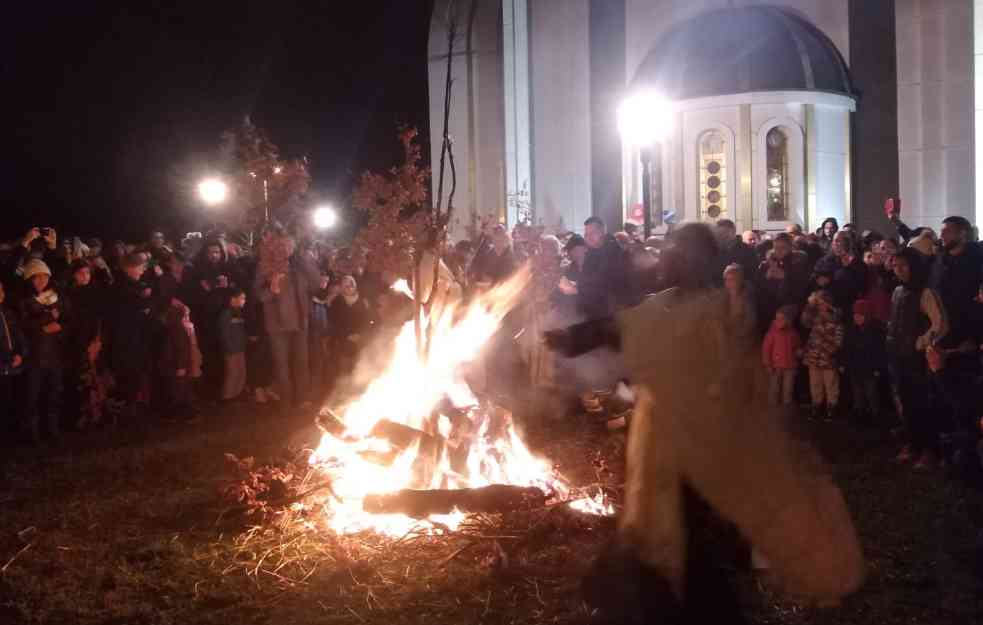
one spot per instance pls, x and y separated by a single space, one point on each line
776 162
713 176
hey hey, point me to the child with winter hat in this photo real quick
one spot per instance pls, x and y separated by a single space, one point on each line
865 357
232 342
825 340
780 353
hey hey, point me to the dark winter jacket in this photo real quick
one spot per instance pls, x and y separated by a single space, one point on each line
37 311
605 284
790 290
345 320
232 331
957 280
131 329
849 283
87 307
490 266
917 319
12 342
865 348
176 350
739 253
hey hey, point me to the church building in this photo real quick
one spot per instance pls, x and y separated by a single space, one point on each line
782 111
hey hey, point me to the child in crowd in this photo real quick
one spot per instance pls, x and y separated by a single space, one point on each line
319 331
865 357
825 340
232 342
180 363
781 352
13 350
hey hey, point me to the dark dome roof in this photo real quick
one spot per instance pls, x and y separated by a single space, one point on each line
756 48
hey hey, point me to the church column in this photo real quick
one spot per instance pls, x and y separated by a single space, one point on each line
607 87
518 146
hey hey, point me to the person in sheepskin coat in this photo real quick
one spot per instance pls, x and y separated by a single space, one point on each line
702 432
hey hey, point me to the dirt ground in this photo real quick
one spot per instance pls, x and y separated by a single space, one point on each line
127 527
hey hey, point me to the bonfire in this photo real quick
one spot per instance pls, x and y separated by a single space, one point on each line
419 449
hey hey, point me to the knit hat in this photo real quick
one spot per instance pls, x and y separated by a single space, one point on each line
923 243
33 267
861 307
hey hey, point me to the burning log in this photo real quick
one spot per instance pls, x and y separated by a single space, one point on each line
496 498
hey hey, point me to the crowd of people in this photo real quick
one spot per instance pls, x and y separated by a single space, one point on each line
884 329
102 334
881 328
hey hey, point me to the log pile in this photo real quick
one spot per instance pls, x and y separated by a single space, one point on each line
496 498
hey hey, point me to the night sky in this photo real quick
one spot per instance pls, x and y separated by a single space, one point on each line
115 108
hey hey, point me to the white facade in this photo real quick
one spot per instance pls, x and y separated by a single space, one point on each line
522 122
935 109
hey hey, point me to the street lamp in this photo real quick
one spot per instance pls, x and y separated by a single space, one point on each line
213 191
644 120
324 217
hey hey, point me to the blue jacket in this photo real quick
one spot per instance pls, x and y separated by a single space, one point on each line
12 342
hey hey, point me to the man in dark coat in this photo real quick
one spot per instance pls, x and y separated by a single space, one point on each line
733 251
956 275
131 331
604 281
782 279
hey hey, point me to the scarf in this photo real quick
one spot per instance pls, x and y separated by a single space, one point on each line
47 298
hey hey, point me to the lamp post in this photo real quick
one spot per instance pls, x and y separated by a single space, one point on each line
212 191
324 217
644 120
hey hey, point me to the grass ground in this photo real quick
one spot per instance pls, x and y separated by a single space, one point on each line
121 527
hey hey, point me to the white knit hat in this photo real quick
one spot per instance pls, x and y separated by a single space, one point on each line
923 243
33 267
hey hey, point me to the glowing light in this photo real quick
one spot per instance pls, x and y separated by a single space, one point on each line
277 169
213 191
645 118
325 217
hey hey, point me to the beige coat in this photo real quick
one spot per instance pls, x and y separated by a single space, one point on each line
702 418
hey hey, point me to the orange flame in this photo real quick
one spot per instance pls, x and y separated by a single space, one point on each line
406 392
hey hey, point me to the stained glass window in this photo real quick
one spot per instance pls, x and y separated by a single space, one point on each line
776 160
713 176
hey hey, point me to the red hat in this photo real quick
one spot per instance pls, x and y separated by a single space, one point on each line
861 307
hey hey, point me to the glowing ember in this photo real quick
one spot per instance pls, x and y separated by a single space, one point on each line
462 444
597 505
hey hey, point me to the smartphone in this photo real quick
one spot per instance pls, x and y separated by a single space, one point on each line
892 207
